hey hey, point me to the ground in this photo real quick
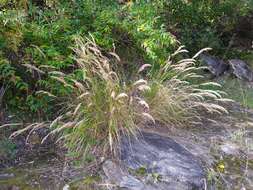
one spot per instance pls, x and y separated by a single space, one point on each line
224 147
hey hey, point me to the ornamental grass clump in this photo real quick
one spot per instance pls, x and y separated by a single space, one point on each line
178 98
101 107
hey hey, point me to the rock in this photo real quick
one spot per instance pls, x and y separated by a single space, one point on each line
6 176
216 66
15 188
230 149
66 187
241 70
161 156
120 178
250 155
178 168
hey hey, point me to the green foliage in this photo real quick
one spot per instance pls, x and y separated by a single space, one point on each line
100 105
199 24
40 33
7 149
145 25
238 90
141 171
138 22
11 30
34 36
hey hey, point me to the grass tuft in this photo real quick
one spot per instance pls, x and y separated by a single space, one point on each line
101 107
177 97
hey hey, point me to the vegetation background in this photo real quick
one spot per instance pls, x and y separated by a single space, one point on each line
46 61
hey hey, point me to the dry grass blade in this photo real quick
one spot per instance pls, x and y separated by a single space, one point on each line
139 83
47 67
57 73
57 130
16 133
33 68
46 93
210 84
121 96
144 88
143 67
115 55
148 116
179 50
36 127
200 52
79 85
83 95
62 80
77 109
144 104
10 124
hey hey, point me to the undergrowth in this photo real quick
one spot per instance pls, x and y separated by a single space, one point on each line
91 97
101 106
41 33
177 95
209 23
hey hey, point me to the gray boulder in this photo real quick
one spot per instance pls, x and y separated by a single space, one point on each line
230 149
5 176
241 70
216 66
116 176
161 156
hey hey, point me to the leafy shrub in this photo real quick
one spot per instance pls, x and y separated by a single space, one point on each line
12 23
28 39
200 24
144 23
140 21
39 34
7 149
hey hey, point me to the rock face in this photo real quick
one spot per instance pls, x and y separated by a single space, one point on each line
118 177
216 66
161 156
241 70
238 67
230 149
6 176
